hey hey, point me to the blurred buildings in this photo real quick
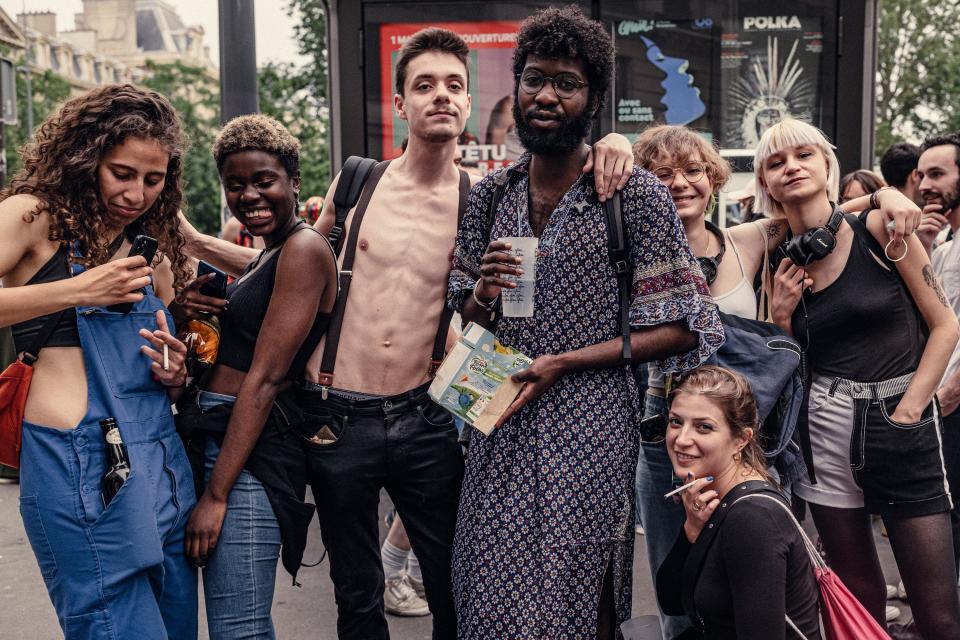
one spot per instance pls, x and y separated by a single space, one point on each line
111 41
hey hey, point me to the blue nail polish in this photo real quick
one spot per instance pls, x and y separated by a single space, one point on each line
709 478
689 474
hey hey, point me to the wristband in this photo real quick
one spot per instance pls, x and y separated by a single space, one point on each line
875 197
489 306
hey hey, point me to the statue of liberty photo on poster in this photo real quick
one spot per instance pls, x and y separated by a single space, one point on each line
770 69
663 73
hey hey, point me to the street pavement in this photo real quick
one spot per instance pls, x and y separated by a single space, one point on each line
305 613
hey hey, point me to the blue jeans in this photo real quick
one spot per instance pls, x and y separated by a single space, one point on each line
662 519
239 577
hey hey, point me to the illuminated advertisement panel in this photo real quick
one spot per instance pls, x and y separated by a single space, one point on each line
663 73
489 138
770 68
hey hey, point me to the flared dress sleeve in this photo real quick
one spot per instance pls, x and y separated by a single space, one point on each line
668 285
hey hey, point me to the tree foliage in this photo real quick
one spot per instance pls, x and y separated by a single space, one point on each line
287 95
918 70
297 96
49 91
195 96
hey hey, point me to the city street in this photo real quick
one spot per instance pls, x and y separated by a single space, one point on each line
307 613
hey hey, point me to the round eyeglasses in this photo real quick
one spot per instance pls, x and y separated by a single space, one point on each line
565 85
692 173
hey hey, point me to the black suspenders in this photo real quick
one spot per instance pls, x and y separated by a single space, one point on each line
329 360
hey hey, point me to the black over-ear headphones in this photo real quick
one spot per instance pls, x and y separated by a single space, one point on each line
815 244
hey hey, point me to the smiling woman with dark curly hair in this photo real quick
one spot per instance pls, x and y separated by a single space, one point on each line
101 175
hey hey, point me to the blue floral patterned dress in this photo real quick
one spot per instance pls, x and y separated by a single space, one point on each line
547 500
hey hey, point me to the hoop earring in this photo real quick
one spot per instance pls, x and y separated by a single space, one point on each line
738 456
711 206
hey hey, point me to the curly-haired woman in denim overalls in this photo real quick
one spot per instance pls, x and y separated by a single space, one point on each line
101 170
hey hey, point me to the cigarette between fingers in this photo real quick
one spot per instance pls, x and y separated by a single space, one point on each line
166 357
679 489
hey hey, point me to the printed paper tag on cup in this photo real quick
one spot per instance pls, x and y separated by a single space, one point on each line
518 303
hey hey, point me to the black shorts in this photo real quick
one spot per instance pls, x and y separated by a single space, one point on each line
863 458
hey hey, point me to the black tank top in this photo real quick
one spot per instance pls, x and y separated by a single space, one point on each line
65 334
249 297
865 326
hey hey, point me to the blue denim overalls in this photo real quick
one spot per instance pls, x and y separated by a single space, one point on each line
116 573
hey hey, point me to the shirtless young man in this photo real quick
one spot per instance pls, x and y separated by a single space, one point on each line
384 431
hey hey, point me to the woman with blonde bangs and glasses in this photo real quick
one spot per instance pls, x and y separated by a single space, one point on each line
877 332
694 172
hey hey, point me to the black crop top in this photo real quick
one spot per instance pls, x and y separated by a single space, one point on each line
249 297
865 326
65 334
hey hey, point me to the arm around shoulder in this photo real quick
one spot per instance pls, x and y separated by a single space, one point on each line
222 254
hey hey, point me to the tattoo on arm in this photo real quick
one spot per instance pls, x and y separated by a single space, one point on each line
931 279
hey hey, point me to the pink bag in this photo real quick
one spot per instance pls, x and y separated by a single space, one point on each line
844 618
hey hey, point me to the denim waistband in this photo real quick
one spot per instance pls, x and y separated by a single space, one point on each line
207 400
870 390
398 403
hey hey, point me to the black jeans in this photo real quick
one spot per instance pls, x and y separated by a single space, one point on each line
407 445
951 461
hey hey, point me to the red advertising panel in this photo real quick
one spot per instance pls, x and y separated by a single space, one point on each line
489 138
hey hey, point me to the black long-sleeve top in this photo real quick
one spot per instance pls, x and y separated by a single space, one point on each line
755 570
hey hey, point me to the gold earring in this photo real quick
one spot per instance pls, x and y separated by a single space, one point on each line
738 456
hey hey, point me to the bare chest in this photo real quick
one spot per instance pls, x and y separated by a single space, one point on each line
407 237
542 204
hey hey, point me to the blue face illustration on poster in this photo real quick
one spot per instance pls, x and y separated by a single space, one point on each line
664 73
680 96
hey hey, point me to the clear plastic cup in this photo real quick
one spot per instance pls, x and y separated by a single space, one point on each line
518 303
641 628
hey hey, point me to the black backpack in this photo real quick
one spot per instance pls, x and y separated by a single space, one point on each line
353 176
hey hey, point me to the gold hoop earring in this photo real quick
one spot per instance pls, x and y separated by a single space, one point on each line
711 206
738 456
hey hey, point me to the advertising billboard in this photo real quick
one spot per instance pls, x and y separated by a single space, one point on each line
489 138
663 73
770 68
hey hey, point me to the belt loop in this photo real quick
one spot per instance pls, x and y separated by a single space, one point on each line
874 393
833 387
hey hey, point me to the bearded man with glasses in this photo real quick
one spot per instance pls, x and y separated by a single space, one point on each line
544 542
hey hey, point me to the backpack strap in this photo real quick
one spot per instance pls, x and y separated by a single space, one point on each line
353 176
440 342
32 353
501 180
329 360
619 254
